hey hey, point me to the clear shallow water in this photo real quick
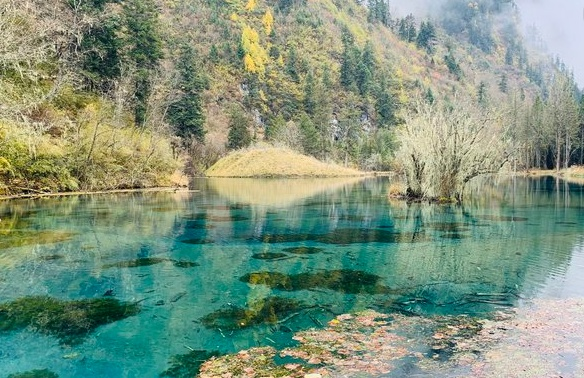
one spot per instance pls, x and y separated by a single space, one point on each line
327 246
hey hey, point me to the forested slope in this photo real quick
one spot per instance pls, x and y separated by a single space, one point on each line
119 93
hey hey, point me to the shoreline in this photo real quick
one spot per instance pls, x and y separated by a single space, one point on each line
93 192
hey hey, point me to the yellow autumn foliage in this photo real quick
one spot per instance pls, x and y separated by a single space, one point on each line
255 57
251 5
268 21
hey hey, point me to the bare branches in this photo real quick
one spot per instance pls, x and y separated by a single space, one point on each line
443 146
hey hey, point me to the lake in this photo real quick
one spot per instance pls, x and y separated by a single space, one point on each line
119 285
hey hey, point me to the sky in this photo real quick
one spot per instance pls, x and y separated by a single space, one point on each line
560 23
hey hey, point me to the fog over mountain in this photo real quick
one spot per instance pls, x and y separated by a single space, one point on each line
560 23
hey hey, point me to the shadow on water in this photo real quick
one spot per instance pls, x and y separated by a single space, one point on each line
345 236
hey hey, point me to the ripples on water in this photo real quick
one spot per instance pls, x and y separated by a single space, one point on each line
242 263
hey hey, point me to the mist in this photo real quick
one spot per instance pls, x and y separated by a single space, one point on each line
559 22
561 25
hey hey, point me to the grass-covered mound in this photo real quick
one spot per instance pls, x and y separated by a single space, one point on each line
275 162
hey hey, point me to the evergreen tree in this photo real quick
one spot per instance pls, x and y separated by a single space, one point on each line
379 12
363 78
453 66
349 61
426 37
482 98
145 49
309 94
430 96
275 128
292 64
385 104
503 84
309 136
407 28
239 135
186 113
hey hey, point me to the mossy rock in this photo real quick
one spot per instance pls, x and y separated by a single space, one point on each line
69 321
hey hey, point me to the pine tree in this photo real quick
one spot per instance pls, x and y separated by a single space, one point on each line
482 98
239 135
145 49
186 113
385 104
275 128
310 136
309 94
426 37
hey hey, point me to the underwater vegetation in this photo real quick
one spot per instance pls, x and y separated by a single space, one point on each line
69 321
147 261
197 241
303 250
269 256
342 280
270 310
44 373
346 236
187 365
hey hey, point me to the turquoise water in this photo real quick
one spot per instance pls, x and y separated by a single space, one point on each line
242 263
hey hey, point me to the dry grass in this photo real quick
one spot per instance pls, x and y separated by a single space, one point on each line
275 162
574 174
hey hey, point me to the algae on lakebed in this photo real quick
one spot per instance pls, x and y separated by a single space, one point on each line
44 373
270 310
69 321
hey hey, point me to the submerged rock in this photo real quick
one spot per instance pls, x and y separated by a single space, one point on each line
69 321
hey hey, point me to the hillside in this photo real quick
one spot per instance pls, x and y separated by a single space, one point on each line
114 94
